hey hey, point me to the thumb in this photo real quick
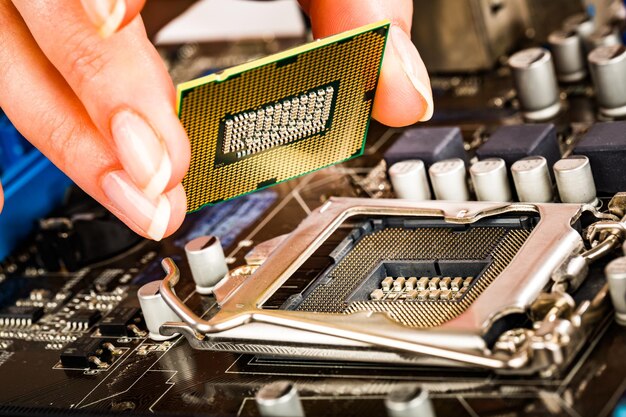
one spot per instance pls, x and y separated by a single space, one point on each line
404 95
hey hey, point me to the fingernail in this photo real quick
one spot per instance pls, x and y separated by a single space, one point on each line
152 215
411 64
107 15
142 152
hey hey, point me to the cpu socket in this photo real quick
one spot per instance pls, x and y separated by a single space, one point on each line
433 283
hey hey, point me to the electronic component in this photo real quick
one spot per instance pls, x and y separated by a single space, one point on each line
279 399
87 352
207 262
584 26
409 180
532 180
616 275
155 311
608 71
491 181
267 121
513 143
107 279
428 144
409 401
83 319
316 295
20 316
535 83
122 321
569 59
605 146
574 180
449 180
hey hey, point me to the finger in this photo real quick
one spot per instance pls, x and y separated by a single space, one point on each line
46 111
123 85
109 16
404 95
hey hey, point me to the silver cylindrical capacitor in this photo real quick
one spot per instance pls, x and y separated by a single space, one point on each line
568 55
155 310
207 262
535 82
574 180
409 402
409 180
615 273
449 180
608 72
532 180
583 25
279 399
491 182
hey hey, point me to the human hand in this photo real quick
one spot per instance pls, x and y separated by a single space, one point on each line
98 104
83 83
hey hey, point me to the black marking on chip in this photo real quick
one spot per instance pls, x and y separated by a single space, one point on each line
357 153
343 41
266 183
287 61
382 31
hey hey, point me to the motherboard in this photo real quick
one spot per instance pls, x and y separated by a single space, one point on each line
467 266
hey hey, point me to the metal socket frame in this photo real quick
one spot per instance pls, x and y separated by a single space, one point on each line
242 325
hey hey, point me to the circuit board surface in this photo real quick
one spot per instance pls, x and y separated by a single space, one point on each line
270 120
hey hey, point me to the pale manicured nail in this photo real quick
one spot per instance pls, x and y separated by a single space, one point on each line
142 152
107 15
152 215
411 64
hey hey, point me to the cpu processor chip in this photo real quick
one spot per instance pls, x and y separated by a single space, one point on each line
267 121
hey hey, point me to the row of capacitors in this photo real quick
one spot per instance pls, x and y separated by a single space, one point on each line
524 158
490 180
577 49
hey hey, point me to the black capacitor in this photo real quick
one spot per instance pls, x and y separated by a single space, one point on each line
429 144
605 146
513 143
